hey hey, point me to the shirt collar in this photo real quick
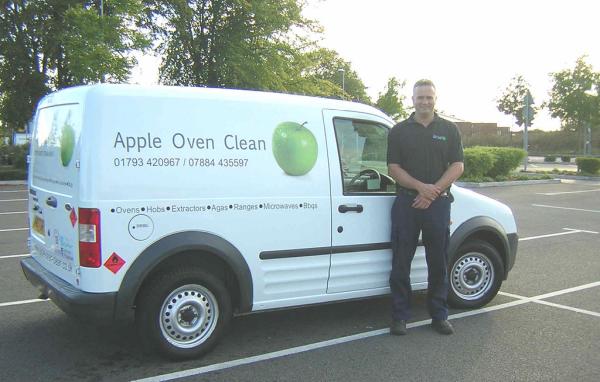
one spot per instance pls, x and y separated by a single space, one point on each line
436 117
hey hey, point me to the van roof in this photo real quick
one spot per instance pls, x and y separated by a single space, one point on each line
80 93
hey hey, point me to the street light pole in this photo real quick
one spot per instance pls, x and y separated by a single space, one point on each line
340 70
587 128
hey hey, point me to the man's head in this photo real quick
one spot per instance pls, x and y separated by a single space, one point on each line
424 98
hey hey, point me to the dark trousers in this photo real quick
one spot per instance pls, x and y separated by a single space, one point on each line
407 223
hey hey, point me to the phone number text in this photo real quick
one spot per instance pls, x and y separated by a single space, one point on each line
179 162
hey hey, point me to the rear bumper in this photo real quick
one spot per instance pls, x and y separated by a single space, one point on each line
96 307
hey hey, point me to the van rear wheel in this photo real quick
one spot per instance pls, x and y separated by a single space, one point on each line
183 312
475 275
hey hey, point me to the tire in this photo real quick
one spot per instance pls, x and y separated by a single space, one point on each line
182 313
475 275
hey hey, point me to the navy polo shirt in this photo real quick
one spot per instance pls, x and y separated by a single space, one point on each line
424 152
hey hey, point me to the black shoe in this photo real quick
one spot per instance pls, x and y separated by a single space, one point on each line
442 326
398 327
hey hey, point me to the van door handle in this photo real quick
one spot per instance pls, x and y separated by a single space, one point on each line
350 207
51 201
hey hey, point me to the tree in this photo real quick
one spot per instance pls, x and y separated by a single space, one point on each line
234 43
331 75
391 102
51 44
511 102
21 81
247 44
570 99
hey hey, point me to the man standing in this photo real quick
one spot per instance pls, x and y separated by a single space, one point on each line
425 157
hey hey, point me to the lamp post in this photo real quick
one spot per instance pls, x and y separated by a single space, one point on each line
342 71
587 130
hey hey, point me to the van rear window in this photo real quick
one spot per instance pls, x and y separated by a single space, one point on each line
54 146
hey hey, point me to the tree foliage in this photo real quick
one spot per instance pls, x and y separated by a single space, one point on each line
51 44
569 98
327 74
233 43
511 102
390 101
247 44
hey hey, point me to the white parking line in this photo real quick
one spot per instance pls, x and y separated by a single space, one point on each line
569 231
588 312
336 341
13 256
539 299
14 191
13 213
13 229
12 200
2 304
313 346
566 192
565 208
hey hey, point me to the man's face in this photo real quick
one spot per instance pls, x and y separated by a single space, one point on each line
424 99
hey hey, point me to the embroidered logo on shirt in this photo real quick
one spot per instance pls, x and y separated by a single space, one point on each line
439 137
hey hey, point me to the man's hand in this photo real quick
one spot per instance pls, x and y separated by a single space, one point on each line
421 203
429 191
427 194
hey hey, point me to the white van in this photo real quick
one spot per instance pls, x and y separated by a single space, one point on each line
180 207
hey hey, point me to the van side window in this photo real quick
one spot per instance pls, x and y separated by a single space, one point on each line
362 150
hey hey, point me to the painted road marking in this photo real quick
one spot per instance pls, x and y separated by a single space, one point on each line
310 347
13 229
2 304
565 208
14 191
566 192
588 312
539 299
13 256
336 341
12 213
12 200
569 231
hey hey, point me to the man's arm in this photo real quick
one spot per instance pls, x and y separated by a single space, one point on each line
403 178
453 172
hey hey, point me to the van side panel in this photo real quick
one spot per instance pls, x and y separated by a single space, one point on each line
183 160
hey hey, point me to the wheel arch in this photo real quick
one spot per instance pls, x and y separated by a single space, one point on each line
193 247
486 229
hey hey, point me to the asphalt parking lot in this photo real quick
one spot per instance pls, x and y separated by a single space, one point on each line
543 326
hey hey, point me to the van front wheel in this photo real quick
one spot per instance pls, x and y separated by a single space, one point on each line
475 275
182 313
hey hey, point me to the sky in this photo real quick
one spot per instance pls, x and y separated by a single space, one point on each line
470 49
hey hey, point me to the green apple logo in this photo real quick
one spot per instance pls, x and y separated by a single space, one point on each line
67 143
294 148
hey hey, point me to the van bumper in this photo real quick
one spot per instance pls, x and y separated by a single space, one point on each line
95 307
513 242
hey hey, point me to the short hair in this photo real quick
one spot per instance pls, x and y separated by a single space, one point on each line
424 82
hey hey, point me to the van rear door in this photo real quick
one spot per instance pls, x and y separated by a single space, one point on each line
53 195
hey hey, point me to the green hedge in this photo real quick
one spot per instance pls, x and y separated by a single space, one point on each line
11 173
13 162
491 162
478 162
588 165
507 160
